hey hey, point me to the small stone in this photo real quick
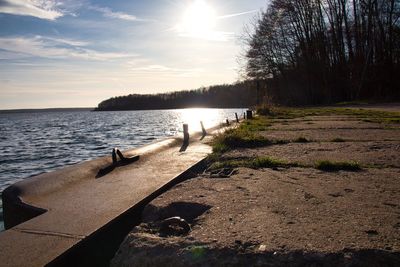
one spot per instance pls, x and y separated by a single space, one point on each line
336 194
262 248
371 232
348 256
308 196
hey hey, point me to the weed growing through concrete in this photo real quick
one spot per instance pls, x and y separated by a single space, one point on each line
253 163
332 166
301 140
338 140
238 138
257 124
363 114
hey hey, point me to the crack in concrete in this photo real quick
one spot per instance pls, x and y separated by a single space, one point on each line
48 233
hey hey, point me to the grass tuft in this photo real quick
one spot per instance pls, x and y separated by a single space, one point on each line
338 140
366 115
253 163
301 140
257 124
332 166
268 162
238 138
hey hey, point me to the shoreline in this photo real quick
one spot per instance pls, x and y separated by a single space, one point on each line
39 209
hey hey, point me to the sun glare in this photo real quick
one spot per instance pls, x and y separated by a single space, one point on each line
199 19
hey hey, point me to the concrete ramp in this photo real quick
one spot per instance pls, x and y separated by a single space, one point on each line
55 218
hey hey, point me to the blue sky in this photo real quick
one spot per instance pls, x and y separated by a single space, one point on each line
78 53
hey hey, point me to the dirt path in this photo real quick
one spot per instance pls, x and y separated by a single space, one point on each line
298 216
391 107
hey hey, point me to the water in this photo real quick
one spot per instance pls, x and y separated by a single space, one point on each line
36 142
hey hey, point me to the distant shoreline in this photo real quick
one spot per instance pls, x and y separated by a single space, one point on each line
44 110
10 111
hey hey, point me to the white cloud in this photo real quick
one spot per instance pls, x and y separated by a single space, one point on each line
56 41
107 12
48 47
43 9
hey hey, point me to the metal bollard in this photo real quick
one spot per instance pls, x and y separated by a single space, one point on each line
227 122
249 114
203 129
114 155
185 134
237 118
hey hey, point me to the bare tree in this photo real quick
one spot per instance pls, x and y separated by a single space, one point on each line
327 50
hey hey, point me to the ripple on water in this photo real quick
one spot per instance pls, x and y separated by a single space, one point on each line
33 143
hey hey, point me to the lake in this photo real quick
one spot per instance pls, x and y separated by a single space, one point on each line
42 141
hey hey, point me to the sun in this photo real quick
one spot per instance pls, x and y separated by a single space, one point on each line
199 19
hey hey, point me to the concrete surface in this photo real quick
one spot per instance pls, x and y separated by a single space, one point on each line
73 206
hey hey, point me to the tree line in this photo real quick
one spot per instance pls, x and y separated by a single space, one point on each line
324 51
238 95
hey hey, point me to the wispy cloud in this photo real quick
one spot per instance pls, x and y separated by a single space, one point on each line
43 9
166 71
48 47
107 12
219 36
237 14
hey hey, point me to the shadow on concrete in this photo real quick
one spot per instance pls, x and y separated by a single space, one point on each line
186 210
353 258
247 254
184 147
99 248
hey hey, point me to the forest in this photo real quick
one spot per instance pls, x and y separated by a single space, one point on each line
236 95
326 51
303 52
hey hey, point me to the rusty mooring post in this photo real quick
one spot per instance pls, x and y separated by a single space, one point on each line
237 118
249 114
114 156
185 134
203 129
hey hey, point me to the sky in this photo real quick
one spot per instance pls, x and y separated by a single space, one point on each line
77 53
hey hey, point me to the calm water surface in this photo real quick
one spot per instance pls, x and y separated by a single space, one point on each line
36 142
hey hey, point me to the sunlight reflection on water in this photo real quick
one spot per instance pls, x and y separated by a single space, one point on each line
208 116
36 142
